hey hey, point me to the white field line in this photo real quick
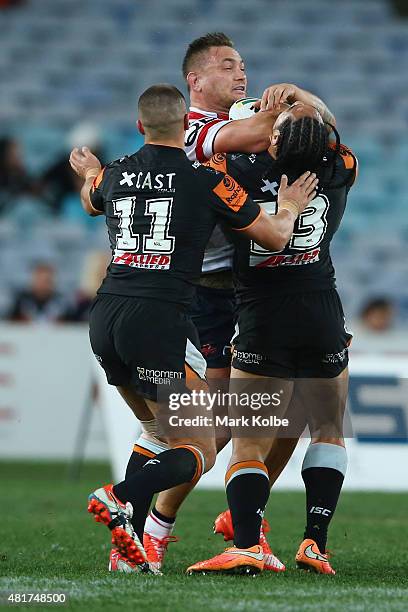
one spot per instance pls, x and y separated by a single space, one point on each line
353 599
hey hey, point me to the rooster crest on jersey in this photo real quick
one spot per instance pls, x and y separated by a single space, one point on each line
242 109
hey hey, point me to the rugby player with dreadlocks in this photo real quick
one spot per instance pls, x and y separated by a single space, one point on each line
290 331
216 78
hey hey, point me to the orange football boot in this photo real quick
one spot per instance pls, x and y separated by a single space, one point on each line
310 558
223 525
156 548
110 511
119 563
246 561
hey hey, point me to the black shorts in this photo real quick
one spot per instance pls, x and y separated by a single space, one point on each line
292 336
144 343
213 313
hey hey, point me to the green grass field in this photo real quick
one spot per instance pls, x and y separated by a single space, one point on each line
50 543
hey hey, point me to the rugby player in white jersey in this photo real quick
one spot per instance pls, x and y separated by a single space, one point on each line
216 78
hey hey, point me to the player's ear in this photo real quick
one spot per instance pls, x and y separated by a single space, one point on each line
193 81
186 121
274 138
140 127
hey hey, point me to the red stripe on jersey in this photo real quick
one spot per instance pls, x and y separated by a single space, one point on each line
201 138
203 115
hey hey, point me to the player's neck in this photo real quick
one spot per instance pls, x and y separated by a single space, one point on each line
177 143
202 104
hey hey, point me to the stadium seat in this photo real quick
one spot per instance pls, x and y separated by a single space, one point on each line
61 62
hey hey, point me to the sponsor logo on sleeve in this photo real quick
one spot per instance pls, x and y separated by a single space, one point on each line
218 162
231 193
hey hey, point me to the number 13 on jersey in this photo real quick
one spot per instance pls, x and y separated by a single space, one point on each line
308 232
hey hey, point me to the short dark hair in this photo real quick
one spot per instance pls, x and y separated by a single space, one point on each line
382 303
202 44
42 265
302 144
161 109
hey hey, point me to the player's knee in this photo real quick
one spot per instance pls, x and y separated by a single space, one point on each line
209 452
205 454
255 449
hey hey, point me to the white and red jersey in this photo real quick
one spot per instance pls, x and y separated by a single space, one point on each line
199 146
201 133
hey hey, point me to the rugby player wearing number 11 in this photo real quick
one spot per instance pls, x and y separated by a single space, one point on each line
139 320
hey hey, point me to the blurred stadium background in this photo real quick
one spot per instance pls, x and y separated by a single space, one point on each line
71 72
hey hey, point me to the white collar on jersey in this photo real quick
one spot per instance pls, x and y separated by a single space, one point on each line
194 109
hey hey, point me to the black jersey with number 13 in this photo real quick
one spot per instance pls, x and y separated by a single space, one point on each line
305 263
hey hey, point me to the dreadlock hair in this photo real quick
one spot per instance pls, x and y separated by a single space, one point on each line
304 145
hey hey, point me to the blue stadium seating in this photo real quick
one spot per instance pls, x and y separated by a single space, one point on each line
65 62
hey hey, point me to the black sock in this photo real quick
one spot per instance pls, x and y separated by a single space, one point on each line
167 470
323 486
247 494
135 463
166 519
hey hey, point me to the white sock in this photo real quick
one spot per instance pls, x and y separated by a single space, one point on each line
157 527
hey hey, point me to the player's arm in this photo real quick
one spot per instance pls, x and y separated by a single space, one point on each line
248 171
241 213
274 231
246 135
287 92
88 167
252 135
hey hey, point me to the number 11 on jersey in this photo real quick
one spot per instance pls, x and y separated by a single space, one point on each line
158 239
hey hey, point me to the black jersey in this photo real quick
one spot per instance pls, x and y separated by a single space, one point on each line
160 211
305 263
